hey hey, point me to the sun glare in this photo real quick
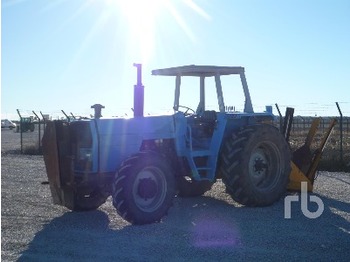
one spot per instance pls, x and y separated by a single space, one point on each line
141 22
139 18
142 17
137 7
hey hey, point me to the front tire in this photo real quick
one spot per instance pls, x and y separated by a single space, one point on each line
143 188
255 165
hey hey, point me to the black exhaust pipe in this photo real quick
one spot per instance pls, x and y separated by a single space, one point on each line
138 93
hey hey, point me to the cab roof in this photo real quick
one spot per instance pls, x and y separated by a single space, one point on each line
199 70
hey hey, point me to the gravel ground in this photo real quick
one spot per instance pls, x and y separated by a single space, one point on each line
208 228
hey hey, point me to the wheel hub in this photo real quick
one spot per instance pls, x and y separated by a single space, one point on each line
260 165
147 188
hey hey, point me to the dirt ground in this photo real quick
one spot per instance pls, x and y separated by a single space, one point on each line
207 228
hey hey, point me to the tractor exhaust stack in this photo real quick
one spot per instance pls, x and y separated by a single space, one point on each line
138 93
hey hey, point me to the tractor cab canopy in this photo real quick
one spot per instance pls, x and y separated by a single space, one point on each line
203 71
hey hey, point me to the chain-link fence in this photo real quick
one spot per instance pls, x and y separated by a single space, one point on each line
32 127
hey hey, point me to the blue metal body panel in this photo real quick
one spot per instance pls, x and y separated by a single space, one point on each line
189 145
117 139
238 120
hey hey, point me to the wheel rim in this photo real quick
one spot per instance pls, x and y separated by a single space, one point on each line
149 189
265 166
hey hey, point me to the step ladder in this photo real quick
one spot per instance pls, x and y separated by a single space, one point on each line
192 153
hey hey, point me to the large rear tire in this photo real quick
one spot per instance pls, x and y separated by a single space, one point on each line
144 188
255 165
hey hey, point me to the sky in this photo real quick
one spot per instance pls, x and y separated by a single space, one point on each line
68 55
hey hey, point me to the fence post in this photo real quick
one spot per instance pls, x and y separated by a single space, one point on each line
279 112
341 132
39 130
72 115
302 119
322 119
20 129
68 119
44 121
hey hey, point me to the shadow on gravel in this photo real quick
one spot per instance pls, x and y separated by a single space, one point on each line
337 210
92 236
67 237
197 229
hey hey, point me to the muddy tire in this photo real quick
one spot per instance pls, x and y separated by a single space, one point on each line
255 165
89 202
144 188
190 188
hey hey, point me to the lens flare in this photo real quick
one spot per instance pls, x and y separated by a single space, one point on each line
141 19
215 233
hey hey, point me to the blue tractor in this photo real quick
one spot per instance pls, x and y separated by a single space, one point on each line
145 161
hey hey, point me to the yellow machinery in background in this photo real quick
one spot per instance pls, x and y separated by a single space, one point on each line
305 162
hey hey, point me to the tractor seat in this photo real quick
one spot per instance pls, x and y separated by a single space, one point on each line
208 116
205 124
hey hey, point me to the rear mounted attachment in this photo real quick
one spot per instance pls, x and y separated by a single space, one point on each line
305 162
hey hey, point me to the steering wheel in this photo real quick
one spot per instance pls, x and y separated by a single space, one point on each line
186 113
